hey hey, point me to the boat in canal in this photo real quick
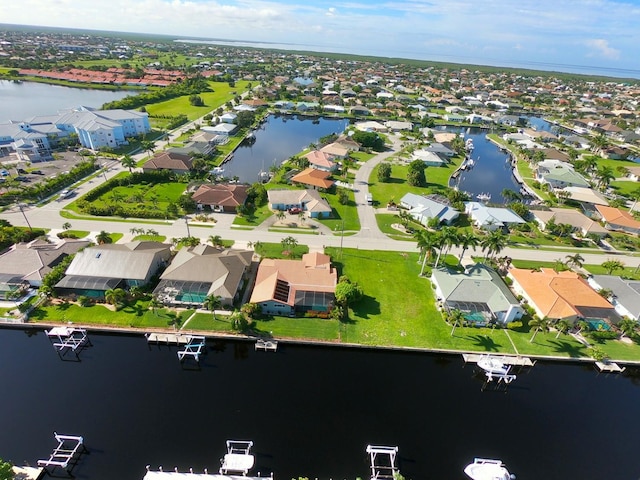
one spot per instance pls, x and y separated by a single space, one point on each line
493 365
488 469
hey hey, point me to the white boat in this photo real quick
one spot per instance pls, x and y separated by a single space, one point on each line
487 469
217 171
238 459
484 197
493 365
469 144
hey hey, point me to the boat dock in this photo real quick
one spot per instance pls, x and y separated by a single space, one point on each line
176 475
383 461
66 339
65 455
27 473
238 459
610 367
194 347
167 338
506 359
266 345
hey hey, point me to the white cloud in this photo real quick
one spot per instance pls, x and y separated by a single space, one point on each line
600 48
331 12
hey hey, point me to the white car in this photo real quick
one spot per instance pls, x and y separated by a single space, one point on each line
66 193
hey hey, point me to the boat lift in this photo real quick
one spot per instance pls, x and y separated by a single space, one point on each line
238 458
194 347
383 461
65 339
65 455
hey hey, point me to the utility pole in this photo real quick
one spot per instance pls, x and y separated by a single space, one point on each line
21 206
186 222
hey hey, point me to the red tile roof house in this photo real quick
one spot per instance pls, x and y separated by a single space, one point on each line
618 220
176 162
221 197
321 161
284 287
316 179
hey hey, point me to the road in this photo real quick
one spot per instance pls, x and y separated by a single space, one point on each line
368 238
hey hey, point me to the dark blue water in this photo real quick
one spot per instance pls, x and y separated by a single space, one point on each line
279 138
492 172
310 411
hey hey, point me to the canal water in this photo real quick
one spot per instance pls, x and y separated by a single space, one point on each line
20 101
492 171
279 138
310 411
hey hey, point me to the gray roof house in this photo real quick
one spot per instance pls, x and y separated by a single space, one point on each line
27 263
424 209
200 271
559 174
626 294
309 200
578 220
97 269
491 218
479 292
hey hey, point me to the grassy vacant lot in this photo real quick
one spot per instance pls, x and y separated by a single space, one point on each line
153 196
221 94
342 213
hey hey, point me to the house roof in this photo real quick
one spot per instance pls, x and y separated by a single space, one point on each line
478 284
32 261
627 292
316 178
571 217
615 216
220 270
221 194
555 170
320 159
131 260
169 161
335 149
428 208
586 195
309 199
559 294
491 215
313 273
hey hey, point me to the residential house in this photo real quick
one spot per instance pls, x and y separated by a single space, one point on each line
618 220
559 174
430 159
423 209
336 150
370 126
479 293
561 295
586 195
625 293
226 129
440 149
491 218
396 126
176 162
579 221
228 117
309 201
194 148
95 270
634 173
286 287
203 270
317 179
221 197
321 160
26 264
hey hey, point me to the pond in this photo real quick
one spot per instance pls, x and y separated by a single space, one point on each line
310 411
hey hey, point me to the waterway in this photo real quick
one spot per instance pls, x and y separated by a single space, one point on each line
492 171
311 411
20 101
279 138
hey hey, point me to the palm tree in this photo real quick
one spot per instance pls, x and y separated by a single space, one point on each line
540 324
216 240
148 146
129 162
289 244
115 296
448 237
627 327
174 319
576 260
562 326
604 175
612 265
280 215
466 240
456 317
103 237
154 303
211 303
427 243
493 243
66 226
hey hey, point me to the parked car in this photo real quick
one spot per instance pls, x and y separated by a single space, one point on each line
66 194
294 210
22 178
22 171
37 172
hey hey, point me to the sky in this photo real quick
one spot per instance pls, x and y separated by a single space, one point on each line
584 36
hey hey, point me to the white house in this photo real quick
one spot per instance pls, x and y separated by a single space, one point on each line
491 218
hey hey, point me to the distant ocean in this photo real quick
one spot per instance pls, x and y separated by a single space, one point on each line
461 59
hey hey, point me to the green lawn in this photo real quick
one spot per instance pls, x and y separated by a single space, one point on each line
154 196
259 216
385 220
77 233
274 250
137 315
345 217
149 238
205 321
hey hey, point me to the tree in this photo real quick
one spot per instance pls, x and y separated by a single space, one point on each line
115 296
174 319
448 238
148 146
196 100
576 260
605 175
343 196
510 195
384 172
562 326
540 324
154 304
456 318
289 244
66 226
415 175
212 303
245 119
103 237
6 470
467 240
347 292
369 140
493 243
612 265
216 241
427 243
129 162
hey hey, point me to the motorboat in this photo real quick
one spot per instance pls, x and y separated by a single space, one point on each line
238 459
488 469
484 197
493 365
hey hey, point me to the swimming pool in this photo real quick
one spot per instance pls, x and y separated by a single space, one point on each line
597 324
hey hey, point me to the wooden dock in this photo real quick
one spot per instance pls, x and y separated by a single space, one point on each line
266 345
27 473
506 359
610 367
168 338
